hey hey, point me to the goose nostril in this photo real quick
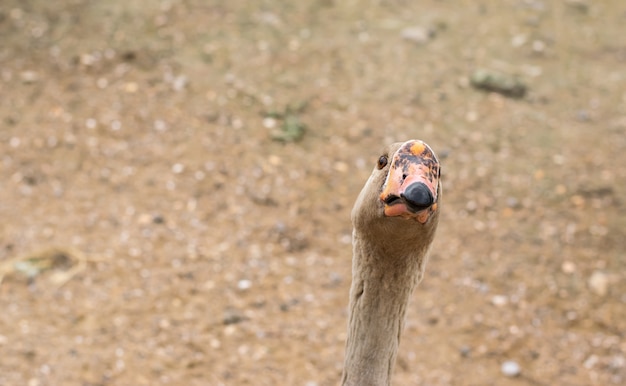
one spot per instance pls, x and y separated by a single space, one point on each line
391 199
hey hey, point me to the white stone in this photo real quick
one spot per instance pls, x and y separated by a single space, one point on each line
499 300
269 122
419 35
599 283
511 369
244 284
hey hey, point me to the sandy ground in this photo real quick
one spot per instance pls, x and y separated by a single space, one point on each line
154 230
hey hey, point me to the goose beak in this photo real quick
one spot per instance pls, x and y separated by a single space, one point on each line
411 188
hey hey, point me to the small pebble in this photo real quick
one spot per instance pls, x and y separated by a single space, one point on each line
33 382
131 87
215 343
618 362
418 35
499 300
244 284
583 116
539 46
179 83
568 267
590 362
513 202
29 76
160 125
599 283
581 6
504 84
91 123
510 369
519 40
14 142
269 122
232 317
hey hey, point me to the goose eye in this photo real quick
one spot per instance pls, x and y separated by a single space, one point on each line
382 162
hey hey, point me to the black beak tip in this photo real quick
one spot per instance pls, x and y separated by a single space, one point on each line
418 196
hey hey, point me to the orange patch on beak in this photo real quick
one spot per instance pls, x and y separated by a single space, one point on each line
418 148
410 190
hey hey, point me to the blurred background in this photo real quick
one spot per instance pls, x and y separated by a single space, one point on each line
176 180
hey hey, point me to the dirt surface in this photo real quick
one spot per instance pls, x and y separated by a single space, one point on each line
176 179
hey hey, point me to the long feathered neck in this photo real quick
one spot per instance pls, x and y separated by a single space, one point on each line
384 273
389 256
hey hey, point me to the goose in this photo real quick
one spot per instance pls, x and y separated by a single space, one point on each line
394 221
